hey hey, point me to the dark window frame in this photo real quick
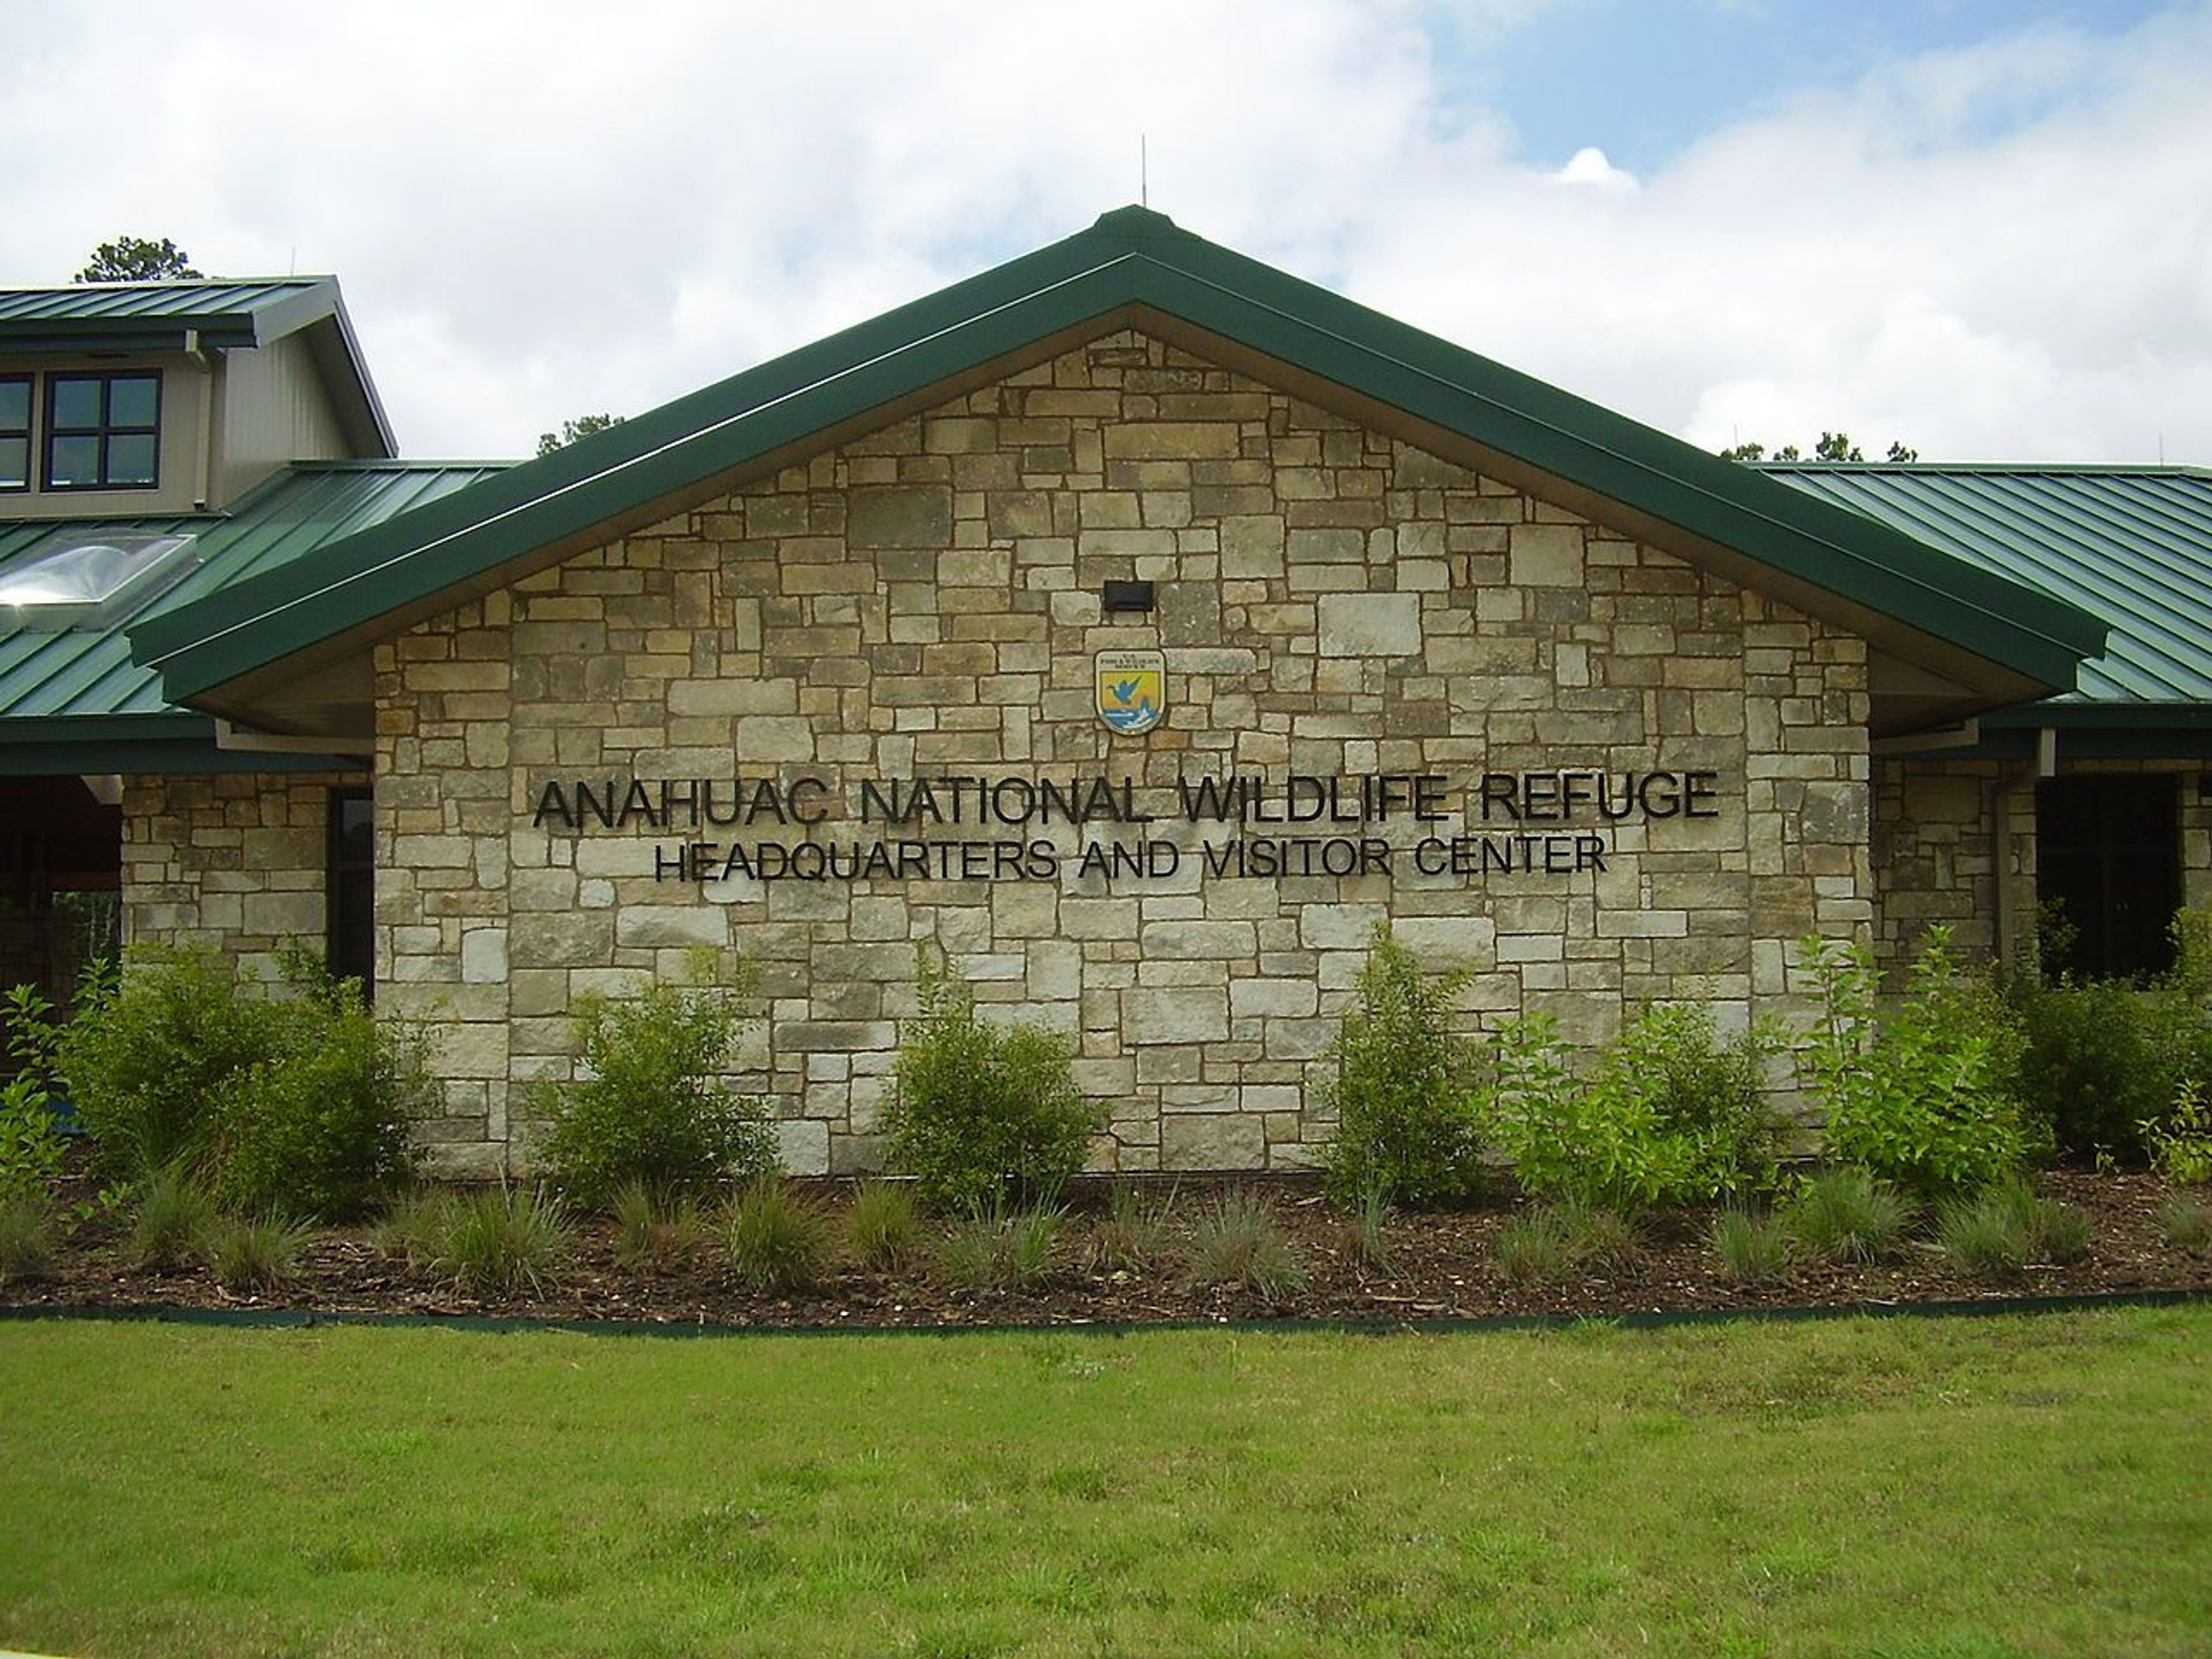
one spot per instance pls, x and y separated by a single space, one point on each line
2109 852
346 955
30 383
104 433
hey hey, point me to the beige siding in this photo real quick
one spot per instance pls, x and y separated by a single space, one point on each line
275 410
184 394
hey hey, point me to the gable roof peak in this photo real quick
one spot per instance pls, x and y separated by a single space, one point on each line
1141 223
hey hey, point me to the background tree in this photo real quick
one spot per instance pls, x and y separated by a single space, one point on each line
135 259
1832 446
582 427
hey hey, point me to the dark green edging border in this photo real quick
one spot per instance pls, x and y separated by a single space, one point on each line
494 1324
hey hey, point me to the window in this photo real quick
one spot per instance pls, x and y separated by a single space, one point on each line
2108 859
350 887
15 431
103 431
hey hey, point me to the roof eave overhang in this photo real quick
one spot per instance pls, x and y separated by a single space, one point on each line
2001 641
171 741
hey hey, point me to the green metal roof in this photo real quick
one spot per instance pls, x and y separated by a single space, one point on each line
80 687
216 315
2129 544
221 313
1132 264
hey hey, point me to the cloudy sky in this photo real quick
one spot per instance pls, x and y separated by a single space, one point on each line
1984 227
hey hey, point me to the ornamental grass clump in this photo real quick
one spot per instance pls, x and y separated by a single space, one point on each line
649 1103
1135 1234
1371 1245
1843 1216
174 1215
255 1253
1004 1250
886 1225
2185 1223
982 1114
1752 1248
778 1239
503 1241
1404 1088
654 1230
27 1237
1921 1095
1236 1243
1547 1243
413 1229
2007 1228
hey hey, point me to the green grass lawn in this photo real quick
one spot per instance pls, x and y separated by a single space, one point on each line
1960 1488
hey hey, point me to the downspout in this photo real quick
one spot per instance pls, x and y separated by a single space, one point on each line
2008 791
197 355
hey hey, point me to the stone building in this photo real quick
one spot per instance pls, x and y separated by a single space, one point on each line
1141 627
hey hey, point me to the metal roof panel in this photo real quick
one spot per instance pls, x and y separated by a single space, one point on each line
1131 261
2131 545
88 674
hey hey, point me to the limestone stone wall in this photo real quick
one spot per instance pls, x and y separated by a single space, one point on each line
233 861
925 603
1935 847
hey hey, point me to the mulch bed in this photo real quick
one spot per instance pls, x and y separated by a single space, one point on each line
1441 1267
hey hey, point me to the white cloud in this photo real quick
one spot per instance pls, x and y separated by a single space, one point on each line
1588 166
538 210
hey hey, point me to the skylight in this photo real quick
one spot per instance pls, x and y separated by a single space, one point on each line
80 579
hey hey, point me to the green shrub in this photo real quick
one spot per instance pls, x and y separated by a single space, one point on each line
1548 1242
777 1238
1846 1215
297 1105
2185 1223
1236 1243
649 1103
1924 1097
255 1253
501 1241
31 1141
982 1114
27 1237
1675 1113
320 1129
1133 1235
1754 1250
2102 1059
1000 1250
2007 1227
2179 1142
886 1230
174 1216
146 1068
1403 1088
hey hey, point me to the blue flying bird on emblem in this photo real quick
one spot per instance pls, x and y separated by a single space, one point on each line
1132 698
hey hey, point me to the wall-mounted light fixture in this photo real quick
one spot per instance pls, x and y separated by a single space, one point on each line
1128 595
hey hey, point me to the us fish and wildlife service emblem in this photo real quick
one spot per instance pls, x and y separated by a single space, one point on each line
1133 690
